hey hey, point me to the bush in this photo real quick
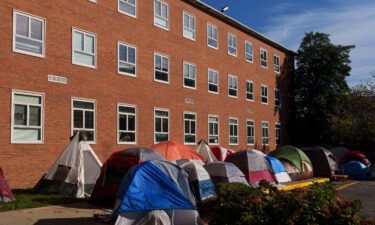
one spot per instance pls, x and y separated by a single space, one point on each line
239 204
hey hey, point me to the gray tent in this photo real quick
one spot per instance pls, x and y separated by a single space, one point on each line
205 151
225 172
339 151
74 172
323 161
154 217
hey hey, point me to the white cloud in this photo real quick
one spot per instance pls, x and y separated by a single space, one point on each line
347 25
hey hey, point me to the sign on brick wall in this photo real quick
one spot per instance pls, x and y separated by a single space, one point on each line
57 79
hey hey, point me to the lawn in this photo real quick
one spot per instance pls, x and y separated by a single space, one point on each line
26 199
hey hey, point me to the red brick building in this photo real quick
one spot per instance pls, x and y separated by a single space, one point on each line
132 73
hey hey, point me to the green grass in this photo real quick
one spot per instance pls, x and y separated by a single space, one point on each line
26 199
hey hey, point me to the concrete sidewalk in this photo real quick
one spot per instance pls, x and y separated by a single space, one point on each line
71 214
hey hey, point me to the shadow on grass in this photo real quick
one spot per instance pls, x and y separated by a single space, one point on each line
70 221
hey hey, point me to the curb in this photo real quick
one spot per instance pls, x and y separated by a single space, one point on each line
303 184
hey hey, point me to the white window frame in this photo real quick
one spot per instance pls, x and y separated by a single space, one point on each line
229 88
276 63
195 127
228 46
169 62
247 133
118 59
169 122
230 125
277 99
95 48
135 125
41 127
217 39
263 96
125 13
278 127
183 75
268 133
263 60
44 21
160 17
248 92
247 53
208 81
72 117
218 129
188 28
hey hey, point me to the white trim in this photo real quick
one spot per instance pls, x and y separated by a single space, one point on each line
274 65
208 81
233 36
118 59
41 127
157 25
217 32
247 135
72 117
183 75
169 127
233 76
252 52
260 58
43 20
229 124
218 129
261 94
246 92
188 28
169 62
95 48
125 13
135 125
268 132
195 127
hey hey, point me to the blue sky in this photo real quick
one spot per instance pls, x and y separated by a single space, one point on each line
349 22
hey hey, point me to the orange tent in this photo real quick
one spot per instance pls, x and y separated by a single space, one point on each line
174 151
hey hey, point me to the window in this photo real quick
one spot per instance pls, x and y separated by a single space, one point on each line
128 7
127 124
84 48
189 75
27 117
232 44
161 125
249 90
277 98
278 134
83 118
264 94
212 36
232 86
28 34
189 26
213 129
233 131
161 14
248 51
189 128
250 132
265 136
276 63
213 81
263 58
161 68
127 57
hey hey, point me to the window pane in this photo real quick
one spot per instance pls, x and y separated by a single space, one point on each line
131 125
122 122
22 25
89 44
161 137
127 8
190 138
127 137
29 45
127 109
161 76
89 119
131 55
20 115
123 53
78 41
161 113
36 29
165 64
35 116
27 99
83 105
157 8
78 119
21 134
165 125
126 68
157 124
84 58
187 127
157 62
164 11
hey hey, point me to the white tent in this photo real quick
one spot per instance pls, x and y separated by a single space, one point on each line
205 152
74 172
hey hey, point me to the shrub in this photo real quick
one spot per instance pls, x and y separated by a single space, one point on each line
238 204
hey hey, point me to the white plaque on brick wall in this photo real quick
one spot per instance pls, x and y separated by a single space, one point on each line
57 79
189 100
250 110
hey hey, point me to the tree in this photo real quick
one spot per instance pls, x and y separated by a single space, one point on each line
319 87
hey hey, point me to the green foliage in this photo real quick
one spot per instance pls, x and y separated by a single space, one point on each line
319 87
239 204
26 199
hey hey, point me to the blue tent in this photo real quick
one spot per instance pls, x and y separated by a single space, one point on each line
278 169
154 185
356 170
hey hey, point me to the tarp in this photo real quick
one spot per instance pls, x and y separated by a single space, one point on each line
153 217
74 172
339 151
355 156
324 162
179 162
221 153
205 151
225 172
356 170
114 170
278 169
253 164
292 154
172 151
6 194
